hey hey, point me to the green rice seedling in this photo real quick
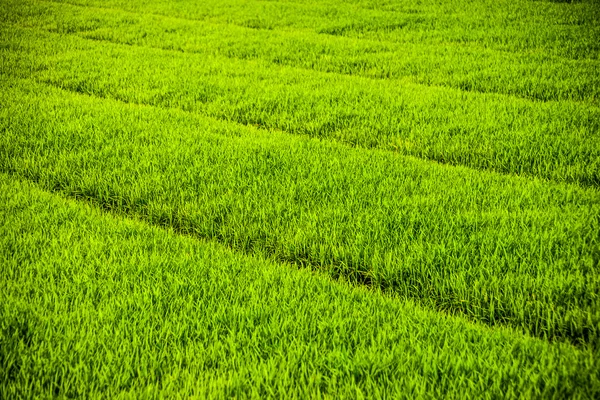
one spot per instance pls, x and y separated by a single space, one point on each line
463 66
96 305
566 30
498 249
554 140
292 199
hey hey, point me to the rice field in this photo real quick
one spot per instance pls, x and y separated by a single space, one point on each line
299 199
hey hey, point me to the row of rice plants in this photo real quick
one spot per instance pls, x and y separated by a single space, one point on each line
496 248
472 68
95 305
555 140
556 29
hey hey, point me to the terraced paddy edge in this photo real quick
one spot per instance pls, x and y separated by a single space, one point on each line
554 28
497 249
467 67
553 140
100 305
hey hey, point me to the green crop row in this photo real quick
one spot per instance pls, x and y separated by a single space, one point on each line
567 30
471 68
498 249
299 199
554 140
93 305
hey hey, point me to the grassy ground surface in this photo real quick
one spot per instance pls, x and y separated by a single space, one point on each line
273 199
96 304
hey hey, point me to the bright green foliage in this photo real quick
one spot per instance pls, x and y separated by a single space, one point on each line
499 249
350 198
524 74
96 305
569 31
554 140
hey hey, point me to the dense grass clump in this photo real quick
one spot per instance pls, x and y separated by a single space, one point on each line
553 140
343 198
472 67
96 305
499 249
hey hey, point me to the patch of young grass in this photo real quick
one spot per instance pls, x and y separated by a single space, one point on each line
499 249
292 199
95 305
554 140
468 67
567 30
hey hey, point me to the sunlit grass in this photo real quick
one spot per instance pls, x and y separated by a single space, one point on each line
292 199
499 249
95 305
